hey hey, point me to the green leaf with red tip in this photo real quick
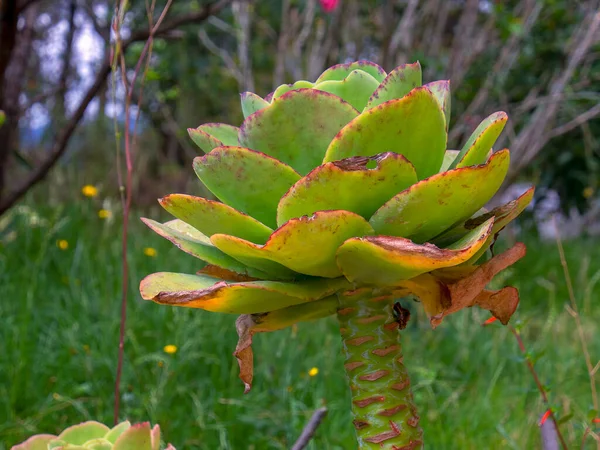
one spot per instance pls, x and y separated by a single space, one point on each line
413 126
503 215
397 84
249 324
155 437
250 297
349 184
441 91
210 217
285 88
305 245
297 127
212 135
251 103
435 204
355 89
137 437
246 180
479 144
37 442
78 434
117 430
191 241
341 71
388 260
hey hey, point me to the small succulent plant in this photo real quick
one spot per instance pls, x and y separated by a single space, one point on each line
340 197
96 436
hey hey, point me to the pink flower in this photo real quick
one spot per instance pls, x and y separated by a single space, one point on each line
329 5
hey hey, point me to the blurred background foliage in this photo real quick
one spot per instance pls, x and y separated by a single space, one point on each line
538 60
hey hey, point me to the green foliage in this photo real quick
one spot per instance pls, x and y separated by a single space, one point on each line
61 329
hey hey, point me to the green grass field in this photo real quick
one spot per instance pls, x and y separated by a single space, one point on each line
60 319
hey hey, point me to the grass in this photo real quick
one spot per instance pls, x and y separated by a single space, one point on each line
59 332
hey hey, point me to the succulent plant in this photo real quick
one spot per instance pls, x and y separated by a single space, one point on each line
96 436
340 197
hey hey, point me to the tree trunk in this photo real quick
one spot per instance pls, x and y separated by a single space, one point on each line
14 56
384 413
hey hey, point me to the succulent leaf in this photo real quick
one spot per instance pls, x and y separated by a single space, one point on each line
212 135
479 144
285 88
79 434
441 91
503 216
95 436
97 444
210 217
350 184
397 84
387 261
451 197
249 324
248 181
37 442
212 294
137 437
413 126
305 245
297 127
341 71
117 431
251 103
191 241
355 89
449 158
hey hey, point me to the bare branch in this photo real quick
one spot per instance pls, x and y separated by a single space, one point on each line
310 428
300 40
402 36
221 53
282 41
535 134
576 122
242 13
60 144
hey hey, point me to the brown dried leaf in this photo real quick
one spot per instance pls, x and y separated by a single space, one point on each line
469 290
243 350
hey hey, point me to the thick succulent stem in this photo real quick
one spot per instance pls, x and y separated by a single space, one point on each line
383 410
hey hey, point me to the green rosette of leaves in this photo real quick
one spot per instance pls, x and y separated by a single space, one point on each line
96 436
340 197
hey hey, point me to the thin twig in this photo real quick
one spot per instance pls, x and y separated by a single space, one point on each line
310 428
538 383
128 189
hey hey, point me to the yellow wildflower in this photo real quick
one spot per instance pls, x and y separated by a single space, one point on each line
89 191
104 214
170 349
160 364
588 192
62 244
149 251
56 396
313 372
